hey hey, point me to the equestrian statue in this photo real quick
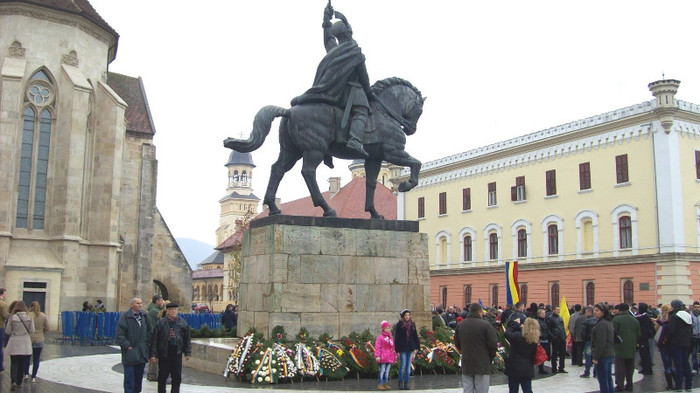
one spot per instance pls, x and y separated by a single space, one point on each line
342 116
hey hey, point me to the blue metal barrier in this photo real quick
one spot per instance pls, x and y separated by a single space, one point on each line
101 328
89 327
197 320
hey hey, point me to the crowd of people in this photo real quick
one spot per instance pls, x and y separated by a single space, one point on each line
22 335
596 337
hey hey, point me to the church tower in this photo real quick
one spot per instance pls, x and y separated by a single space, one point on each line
239 199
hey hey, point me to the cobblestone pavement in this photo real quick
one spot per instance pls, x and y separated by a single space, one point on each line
84 368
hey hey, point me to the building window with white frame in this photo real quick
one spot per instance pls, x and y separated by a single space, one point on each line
466 199
492 194
625 228
443 203
421 207
467 239
553 239
522 243
493 246
517 192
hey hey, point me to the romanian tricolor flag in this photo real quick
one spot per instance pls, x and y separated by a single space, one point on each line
512 287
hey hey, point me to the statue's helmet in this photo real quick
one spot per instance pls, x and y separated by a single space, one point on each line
339 28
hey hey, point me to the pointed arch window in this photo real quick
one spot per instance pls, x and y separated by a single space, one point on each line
34 152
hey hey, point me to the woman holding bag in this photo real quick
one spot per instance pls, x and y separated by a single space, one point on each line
520 363
20 345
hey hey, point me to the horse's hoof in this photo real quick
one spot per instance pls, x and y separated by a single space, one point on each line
330 213
377 216
275 212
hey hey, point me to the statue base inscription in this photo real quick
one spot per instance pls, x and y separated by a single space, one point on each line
332 275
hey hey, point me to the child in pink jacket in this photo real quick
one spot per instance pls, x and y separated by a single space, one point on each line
385 355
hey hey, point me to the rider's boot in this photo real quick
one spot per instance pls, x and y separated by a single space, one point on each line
357 128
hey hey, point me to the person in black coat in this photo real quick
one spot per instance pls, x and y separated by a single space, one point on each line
679 338
229 318
557 333
646 326
544 336
407 345
519 364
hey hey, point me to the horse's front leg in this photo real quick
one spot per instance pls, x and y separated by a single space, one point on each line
400 157
312 159
285 162
372 167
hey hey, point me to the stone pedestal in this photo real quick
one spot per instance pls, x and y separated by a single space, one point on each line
332 275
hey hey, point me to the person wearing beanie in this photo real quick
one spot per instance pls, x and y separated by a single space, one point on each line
407 345
678 336
170 340
385 355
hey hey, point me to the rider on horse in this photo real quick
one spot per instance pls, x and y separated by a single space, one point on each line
341 79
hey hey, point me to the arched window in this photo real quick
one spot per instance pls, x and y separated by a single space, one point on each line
467 252
235 177
467 294
494 295
554 294
553 239
443 250
628 292
523 293
590 292
493 246
625 227
443 296
244 177
522 243
34 153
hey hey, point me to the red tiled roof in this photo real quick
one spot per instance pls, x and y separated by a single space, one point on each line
130 89
209 273
233 241
349 202
77 7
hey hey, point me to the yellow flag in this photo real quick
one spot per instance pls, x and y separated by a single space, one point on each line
564 313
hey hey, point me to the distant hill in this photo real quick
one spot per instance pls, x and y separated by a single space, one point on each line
194 250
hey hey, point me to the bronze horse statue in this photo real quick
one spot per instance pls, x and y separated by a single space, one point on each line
309 131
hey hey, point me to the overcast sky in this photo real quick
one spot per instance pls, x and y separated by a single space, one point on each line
492 70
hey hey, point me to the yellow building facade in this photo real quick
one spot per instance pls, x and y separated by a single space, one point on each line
601 209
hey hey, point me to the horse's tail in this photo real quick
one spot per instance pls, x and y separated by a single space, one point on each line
261 127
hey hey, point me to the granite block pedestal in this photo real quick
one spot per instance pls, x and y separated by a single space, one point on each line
332 275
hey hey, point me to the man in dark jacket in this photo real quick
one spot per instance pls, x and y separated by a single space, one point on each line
678 337
133 335
627 328
646 327
479 340
587 331
518 313
558 335
171 338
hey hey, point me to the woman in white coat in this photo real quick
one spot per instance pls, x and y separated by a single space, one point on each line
19 346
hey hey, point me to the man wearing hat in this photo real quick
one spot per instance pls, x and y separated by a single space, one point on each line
154 309
171 338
